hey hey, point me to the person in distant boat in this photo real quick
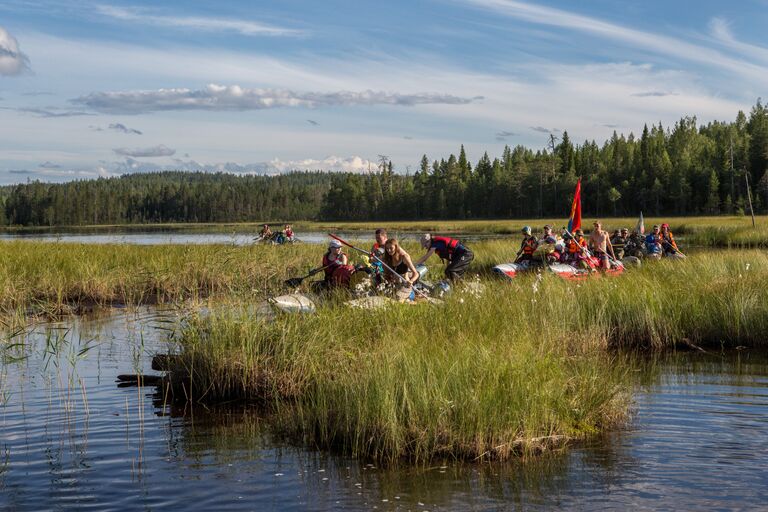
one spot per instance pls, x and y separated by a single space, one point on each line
288 233
397 259
528 247
600 243
619 241
668 243
265 233
653 243
451 250
336 266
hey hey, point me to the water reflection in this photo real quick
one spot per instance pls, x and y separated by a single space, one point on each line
70 438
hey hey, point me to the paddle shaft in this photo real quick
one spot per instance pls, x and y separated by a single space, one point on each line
379 260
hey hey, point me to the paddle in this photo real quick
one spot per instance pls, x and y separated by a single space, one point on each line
296 281
675 250
380 261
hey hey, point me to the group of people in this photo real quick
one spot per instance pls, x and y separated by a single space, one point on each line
286 235
601 249
570 248
390 262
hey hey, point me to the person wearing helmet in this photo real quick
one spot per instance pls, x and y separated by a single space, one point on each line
668 241
333 261
451 250
527 247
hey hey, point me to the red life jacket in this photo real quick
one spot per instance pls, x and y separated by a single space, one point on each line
330 266
444 246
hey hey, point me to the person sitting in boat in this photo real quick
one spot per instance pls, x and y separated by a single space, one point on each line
265 233
575 248
377 254
668 243
653 243
635 245
288 233
547 246
528 247
600 244
336 266
548 237
451 250
619 241
399 261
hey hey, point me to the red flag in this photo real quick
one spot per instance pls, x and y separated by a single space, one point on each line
574 222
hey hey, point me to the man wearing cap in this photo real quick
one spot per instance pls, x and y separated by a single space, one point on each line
619 241
451 250
653 243
332 260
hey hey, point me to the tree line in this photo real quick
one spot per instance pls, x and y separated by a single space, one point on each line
685 169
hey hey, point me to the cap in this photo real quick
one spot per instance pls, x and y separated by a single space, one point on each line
334 243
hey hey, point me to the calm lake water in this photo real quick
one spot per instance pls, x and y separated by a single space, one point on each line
157 237
70 438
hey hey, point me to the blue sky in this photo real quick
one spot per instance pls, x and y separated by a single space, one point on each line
104 88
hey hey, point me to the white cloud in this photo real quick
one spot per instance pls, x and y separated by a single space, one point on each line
721 31
236 98
145 152
657 43
243 27
12 60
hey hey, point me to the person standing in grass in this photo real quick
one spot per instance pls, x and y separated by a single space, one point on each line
600 242
400 262
451 250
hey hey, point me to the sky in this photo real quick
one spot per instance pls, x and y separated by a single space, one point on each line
92 89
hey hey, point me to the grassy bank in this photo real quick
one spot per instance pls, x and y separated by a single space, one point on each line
462 380
62 277
523 367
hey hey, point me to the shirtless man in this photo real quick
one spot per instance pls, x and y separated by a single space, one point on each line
599 241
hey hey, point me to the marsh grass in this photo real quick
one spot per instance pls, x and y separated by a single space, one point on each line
525 367
463 380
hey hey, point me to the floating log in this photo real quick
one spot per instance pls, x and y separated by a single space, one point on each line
134 379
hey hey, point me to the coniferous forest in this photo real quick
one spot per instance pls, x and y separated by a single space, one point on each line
685 169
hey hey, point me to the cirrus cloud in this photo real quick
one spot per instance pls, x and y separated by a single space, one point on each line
235 98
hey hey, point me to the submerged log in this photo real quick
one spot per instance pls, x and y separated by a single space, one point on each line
135 379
